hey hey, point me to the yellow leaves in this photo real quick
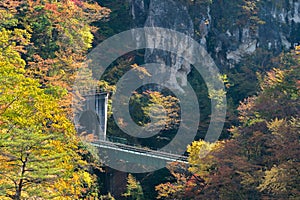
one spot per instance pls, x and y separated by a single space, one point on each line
94 11
34 130
71 188
275 124
247 178
200 157
87 37
297 50
9 51
200 149
33 127
21 36
134 189
57 145
225 80
245 107
86 178
9 38
165 190
76 179
4 37
163 110
142 71
131 181
275 180
274 77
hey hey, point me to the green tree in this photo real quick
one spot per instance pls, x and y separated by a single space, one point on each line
38 144
134 189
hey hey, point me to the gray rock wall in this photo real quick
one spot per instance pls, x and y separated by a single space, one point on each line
280 29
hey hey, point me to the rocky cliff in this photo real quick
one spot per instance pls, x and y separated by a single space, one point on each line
228 29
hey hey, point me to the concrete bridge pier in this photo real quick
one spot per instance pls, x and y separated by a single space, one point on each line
116 182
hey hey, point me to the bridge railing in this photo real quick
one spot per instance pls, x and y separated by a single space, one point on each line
161 154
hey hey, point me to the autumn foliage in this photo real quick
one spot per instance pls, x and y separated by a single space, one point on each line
42 44
261 160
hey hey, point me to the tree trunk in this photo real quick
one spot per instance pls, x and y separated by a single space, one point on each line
20 185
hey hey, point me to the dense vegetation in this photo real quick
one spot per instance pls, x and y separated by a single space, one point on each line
42 45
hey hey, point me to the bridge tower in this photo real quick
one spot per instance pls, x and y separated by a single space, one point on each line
93 117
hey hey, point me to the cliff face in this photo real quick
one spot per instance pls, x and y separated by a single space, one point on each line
228 30
282 25
169 14
225 28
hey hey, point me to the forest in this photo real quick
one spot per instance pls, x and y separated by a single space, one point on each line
255 47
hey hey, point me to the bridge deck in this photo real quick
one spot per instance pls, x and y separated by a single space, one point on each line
168 157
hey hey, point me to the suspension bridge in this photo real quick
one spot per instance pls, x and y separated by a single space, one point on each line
119 157
139 155
93 119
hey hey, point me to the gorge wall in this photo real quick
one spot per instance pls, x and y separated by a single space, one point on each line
230 30
225 28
